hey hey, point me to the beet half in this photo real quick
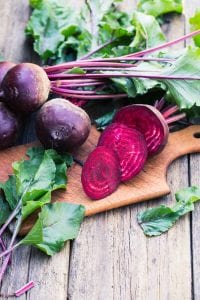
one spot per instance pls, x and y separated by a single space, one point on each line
25 87
5 66
101 173
9 128
130 147
62 125
149 121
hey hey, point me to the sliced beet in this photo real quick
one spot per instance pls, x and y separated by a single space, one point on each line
130 146
149 121
101 173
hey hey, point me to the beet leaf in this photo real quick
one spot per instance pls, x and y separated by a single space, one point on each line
157 220
57 223
160 7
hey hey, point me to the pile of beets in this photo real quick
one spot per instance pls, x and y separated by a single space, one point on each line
137 132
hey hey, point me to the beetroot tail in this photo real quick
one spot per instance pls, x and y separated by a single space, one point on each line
24 288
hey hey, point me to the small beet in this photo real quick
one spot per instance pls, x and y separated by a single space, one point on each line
62 125
26 87
5 66
149 121
130 146
101 173
9 128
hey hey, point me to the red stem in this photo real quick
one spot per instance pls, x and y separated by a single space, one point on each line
165 45
169 111
175 118
92 97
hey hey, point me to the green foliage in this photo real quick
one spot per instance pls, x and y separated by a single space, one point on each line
160 7
155 221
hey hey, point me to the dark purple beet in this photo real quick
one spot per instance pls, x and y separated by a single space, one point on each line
5 66
62 125
9 127
149 121
101 173
130 146
26 87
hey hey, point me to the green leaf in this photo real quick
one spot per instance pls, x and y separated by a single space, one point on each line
148 31
195 25
31 205
76 70
49 24
59 222
105 120
10 192
155 221
185 93
160 7
4 210
34 236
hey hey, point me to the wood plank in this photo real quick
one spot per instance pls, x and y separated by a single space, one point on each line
112 259
190 8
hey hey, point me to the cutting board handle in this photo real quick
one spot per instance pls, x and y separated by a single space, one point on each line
182 142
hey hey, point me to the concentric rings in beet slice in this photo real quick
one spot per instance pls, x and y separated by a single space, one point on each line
101 173
149 121
130 146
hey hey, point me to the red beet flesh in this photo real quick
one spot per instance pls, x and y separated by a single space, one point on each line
130 147
149 121
101 173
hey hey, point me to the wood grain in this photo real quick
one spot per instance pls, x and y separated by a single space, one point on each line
194 164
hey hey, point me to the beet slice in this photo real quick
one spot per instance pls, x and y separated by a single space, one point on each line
130 146
149 121
101 173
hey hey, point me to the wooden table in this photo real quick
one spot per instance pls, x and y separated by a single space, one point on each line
111 258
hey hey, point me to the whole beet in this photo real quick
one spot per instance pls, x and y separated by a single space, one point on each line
26 87
62 125
5 66
9 127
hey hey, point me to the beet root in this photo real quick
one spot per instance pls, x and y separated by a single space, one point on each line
101 173
130 147
5 66
62 125
149 121
26 87
9 128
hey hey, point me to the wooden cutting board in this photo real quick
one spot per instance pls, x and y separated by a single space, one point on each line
150 183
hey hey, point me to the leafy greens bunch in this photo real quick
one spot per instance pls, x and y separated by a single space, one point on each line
30 188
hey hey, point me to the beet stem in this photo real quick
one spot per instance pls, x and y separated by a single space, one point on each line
98 48
65 90
175 118
92 97
116 75
165 45
25 288
6 261
160 104
70 85
10 218
169 111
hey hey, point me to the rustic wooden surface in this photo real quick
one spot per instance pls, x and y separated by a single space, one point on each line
111 258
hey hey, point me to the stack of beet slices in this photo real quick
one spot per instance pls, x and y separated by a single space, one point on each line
137 132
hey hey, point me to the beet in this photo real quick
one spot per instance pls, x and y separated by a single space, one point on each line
149 121
5 66
62 125
101 173
9 127
25 87
130 146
